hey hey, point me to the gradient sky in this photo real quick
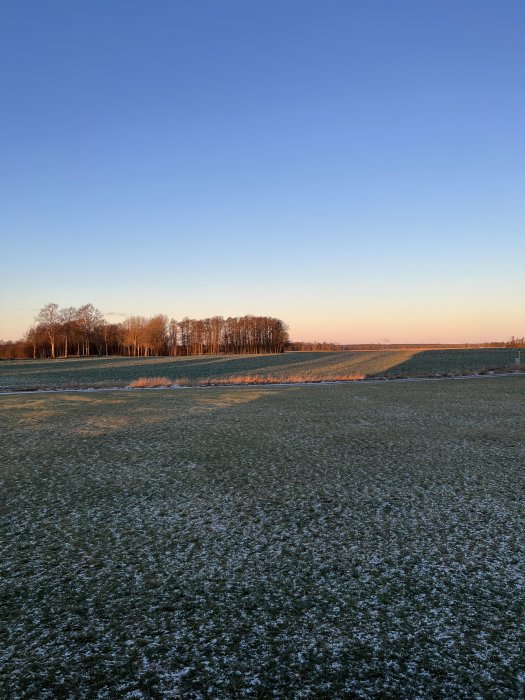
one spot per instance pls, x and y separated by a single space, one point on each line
356 168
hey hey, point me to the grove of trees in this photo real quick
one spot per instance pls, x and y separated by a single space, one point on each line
83 331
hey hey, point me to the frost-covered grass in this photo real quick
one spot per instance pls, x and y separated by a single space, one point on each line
347 541
302 366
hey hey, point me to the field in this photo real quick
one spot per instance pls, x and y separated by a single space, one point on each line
358 540
293 366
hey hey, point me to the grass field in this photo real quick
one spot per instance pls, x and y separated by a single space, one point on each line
294 366
344 541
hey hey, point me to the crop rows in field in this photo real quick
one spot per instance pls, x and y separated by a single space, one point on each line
296 366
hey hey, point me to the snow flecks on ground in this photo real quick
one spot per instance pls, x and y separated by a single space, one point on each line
353 541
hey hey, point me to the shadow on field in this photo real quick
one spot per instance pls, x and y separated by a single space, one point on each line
421 362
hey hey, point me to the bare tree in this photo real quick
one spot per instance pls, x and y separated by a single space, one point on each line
49 320
172 336
133 330
88 319
32 337
155 335
68 317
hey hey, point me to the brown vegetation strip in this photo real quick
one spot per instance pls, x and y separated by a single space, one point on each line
151 383
159 382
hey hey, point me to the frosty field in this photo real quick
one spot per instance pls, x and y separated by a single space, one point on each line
290 366
330 541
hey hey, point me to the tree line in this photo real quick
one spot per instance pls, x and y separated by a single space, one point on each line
83 331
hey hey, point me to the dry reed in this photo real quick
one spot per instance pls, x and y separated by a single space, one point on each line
150 383
272 379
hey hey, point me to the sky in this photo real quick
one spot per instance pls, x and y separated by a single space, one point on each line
354 167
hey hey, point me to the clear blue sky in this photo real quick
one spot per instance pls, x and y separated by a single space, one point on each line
355 168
